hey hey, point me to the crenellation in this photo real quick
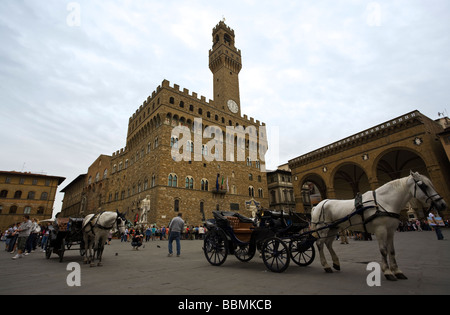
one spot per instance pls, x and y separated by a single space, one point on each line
145 166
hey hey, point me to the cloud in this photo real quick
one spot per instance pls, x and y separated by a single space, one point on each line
319 71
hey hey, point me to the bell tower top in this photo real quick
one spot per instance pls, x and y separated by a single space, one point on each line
225 63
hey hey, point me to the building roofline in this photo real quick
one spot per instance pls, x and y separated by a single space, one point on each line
60 178
73 182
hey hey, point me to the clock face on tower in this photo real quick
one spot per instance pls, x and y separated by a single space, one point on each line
232 106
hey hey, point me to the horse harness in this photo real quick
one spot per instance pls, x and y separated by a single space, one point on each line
96 217
380 211
360 210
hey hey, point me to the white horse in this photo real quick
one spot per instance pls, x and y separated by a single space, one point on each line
377 213
96 228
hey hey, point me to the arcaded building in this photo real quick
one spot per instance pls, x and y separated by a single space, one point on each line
185 153
370 158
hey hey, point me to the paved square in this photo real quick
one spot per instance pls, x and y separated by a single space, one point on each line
423 259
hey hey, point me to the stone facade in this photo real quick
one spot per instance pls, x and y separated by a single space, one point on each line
281 189
73 196
207 135
26 193
375 156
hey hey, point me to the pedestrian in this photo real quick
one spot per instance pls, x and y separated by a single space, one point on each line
110 235
176 227
343 237
201 232
23 232
153 232
136 241
419 228
45 235
148 233
163 233
31 240
124 237
436 227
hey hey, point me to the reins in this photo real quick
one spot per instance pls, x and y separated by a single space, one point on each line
358 210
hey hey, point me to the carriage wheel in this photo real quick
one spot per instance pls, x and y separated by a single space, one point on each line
215 247
302 252
61 250
275 254
242 252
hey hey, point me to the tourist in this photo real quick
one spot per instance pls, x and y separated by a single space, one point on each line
176 227
148 233
436 227
23 232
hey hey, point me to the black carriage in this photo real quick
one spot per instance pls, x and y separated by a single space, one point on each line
278 236
65 234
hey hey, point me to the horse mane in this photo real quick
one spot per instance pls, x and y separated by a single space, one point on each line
399 184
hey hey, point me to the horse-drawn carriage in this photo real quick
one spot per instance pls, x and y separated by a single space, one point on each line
276 235
280 237
65 234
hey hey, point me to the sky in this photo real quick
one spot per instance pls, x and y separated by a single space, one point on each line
73 72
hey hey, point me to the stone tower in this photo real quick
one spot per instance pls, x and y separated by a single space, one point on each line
225 63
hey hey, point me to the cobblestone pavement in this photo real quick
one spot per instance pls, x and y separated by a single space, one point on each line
423 259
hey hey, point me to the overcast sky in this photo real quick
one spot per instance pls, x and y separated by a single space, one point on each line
73 72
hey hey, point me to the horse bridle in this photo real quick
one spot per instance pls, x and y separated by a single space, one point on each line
423 187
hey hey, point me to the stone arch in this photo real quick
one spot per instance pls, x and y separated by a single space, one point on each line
313 189
397 162
348 179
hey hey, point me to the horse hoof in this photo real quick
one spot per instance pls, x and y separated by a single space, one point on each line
337 267
391 277
328 270
400 276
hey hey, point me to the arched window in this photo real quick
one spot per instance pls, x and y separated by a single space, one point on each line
18 194
251 191
189 182
260 193
4 194
172 182
44 196
204 184
174 142
13 209
31 195
227 38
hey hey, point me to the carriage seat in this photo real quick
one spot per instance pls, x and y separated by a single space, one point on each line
242 230
62 224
